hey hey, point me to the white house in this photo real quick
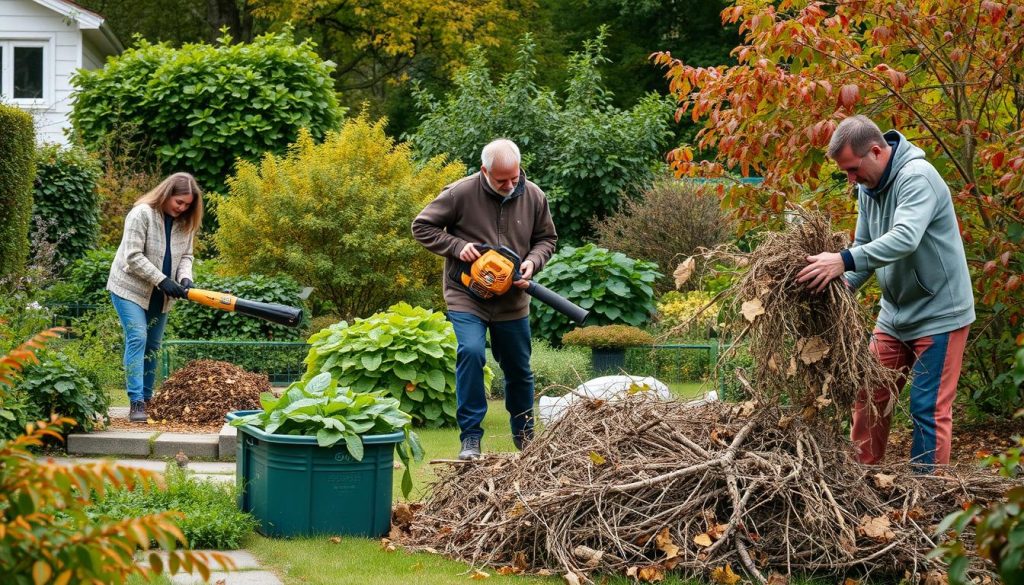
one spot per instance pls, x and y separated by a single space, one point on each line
42 43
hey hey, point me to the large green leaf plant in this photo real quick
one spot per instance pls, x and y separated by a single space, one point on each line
406 351
322 408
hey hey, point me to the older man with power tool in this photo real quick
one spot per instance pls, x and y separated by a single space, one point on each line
907 235
496 206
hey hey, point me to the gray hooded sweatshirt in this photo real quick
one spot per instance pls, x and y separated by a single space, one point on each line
907 234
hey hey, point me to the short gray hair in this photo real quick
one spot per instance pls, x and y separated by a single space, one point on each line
503 150
859 132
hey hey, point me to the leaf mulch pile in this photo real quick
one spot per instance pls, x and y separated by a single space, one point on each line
766 488
205 390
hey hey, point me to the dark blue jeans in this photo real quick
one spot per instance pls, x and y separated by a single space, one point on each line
510 346
143 331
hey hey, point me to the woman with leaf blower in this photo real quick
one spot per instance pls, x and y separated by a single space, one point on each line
153 268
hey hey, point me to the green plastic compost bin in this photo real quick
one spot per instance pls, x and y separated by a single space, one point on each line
295 487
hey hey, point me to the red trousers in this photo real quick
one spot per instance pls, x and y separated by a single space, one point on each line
934 362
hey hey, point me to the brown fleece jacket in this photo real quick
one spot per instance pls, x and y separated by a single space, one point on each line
469 211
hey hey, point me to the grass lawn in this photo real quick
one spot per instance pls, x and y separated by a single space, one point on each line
362 561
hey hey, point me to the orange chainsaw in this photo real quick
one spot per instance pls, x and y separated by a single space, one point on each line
493 273
273 312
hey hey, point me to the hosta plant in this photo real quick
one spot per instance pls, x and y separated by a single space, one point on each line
321 408
612 286
407 351
46 535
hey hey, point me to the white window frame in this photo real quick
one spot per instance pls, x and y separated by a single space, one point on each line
9 41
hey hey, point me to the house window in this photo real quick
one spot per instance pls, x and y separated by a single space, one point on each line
24 71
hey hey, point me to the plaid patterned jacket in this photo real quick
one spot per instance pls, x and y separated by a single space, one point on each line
136 267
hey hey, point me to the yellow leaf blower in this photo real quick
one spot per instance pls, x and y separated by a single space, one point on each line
273 312
493 273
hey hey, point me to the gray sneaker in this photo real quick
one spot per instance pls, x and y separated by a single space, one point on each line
137 412
470 449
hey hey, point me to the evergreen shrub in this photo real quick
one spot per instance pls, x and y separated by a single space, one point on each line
65 200
17 171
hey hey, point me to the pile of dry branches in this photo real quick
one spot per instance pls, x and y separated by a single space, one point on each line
768 487
642 486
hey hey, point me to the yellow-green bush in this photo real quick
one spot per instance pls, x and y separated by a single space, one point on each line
336 216
676 308
608 336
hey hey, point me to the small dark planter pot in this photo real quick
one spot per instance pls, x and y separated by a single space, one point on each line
608 360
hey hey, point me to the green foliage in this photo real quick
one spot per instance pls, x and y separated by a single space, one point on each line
608 337
565 367
672 365
65 200
211 520
94 348
195 321
85 280
998 527
666 225
55 387
336 216
209 105
319 407
407 351
585 153
614 287
47 536
17 170
729 361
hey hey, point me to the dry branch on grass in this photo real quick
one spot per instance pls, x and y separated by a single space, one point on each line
641 486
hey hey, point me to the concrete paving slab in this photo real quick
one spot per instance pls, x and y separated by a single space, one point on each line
118 412
233 578
133 443
228 444
193 445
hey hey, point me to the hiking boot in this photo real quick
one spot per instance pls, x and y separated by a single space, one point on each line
521 440
137 412
470 449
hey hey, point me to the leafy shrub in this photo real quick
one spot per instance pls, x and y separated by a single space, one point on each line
614 287
208 105
48 537
211 519
608 337
675 309
567 366
17 170
408 351
671 364
65 197
195 321
53 386
666 225
85 280
336 216
318 407
584 152
94 348
317 324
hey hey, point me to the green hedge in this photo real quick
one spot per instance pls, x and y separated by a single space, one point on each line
202 106
65 200
17 170
567 367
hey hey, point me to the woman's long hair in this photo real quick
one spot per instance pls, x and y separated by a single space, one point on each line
178 184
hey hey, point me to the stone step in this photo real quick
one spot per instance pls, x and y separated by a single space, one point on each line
149 443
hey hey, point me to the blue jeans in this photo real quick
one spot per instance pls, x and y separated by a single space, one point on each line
510 346
143 332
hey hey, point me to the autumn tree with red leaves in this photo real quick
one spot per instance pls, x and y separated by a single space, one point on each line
946 73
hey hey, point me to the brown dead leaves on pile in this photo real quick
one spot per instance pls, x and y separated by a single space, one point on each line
205 390
754 491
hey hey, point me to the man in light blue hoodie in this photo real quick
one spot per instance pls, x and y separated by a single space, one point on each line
908 236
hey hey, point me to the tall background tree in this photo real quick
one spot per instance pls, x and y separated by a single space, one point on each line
944 72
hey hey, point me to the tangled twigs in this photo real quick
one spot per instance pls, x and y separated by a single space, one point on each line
707 488
809 349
